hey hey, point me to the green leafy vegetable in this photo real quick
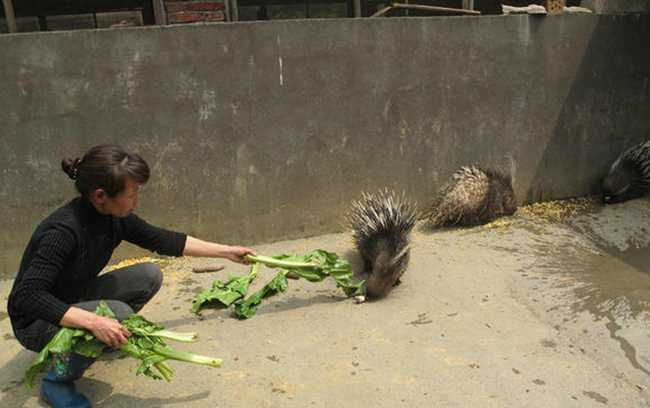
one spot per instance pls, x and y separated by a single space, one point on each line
146 343
226 293
65 340
314 267
248 307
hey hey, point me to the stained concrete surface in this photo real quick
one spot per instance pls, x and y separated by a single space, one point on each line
527 313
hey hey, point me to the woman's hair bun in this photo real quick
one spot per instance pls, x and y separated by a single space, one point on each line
71 167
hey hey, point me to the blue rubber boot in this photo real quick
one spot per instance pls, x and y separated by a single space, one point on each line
57 387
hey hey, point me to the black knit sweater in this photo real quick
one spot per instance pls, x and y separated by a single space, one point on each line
68 249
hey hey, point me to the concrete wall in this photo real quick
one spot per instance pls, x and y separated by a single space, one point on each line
263 131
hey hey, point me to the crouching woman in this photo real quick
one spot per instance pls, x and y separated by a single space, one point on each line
58 284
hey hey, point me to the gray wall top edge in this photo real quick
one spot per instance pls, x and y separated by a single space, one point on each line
301 22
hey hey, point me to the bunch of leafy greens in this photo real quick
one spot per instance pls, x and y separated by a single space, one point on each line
146 343
314 267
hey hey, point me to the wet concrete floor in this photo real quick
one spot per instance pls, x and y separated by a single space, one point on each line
529 312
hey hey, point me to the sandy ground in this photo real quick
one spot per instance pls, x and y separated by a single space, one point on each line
525 312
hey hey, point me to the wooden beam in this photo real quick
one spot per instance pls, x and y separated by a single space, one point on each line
255 3
227 4
424 8
235 10
364 8
159 14
435 8
10 16
468 4
357 8
381 12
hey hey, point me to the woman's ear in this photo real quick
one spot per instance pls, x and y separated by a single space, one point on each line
98 196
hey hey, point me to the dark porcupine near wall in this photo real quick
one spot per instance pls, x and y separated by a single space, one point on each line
473 196
629 176
381 225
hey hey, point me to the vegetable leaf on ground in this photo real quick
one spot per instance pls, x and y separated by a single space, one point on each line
225 293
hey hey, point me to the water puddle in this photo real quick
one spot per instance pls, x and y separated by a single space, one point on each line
611 284
610 277
638 258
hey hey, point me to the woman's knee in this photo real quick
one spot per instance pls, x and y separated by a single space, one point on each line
153 276
121 309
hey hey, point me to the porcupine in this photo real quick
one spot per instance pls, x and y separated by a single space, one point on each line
473 196
629 176
381 224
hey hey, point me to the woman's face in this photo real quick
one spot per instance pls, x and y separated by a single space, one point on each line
123 204
126 202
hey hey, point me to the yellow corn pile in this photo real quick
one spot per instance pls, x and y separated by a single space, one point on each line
557 211
499 223
549 211
133 261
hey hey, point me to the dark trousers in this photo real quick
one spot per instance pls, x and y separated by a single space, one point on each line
125 290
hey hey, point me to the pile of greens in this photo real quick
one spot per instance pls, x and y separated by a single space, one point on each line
146 343
314 267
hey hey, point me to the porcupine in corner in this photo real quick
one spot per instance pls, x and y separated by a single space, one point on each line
473 196
629 175
381 225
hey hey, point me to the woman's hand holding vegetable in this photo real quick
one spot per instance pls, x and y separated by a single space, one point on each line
197 247
109 331
238 254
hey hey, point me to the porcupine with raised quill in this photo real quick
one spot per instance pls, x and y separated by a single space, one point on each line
381 225
629 176
473 196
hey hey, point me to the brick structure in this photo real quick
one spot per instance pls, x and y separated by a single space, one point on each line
192 11
119 19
